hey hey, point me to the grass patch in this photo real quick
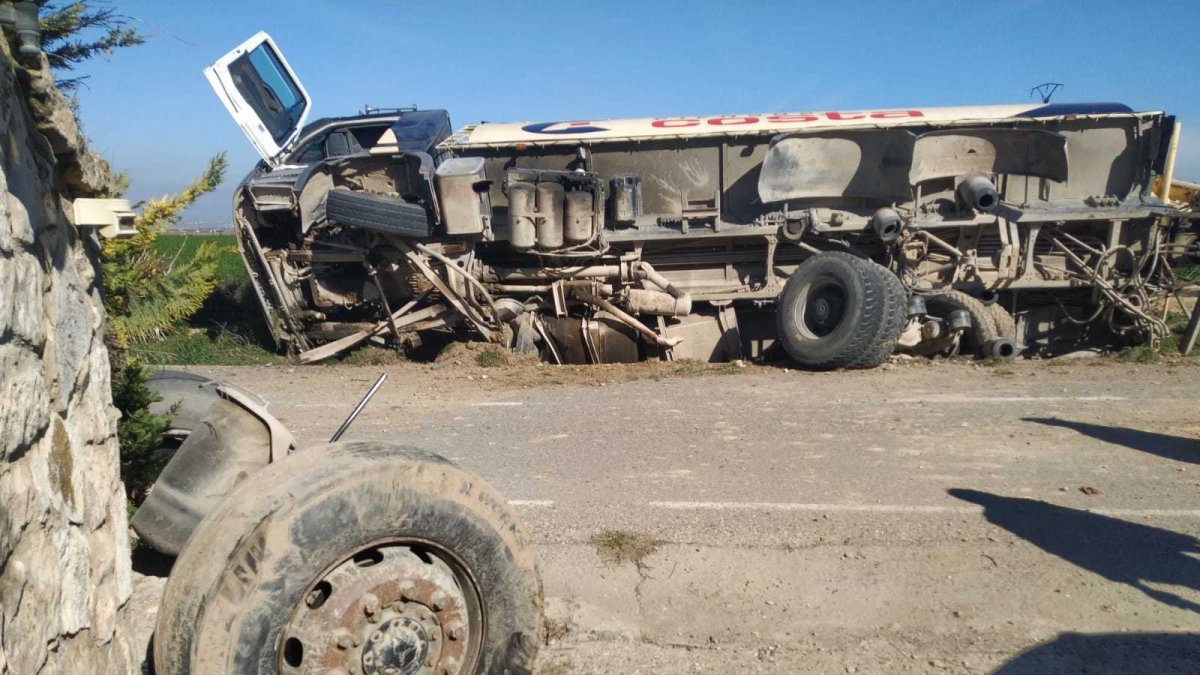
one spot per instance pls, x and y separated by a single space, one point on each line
492 358
1168 346
370 355
194 347
229 329
618 546
1139 354
1187 272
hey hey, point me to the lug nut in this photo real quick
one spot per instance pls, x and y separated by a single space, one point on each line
438 602
370 604
454 633
342 638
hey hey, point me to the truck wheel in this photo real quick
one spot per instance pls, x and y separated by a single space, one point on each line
1005 324
378 213
354 557
840 311
983 325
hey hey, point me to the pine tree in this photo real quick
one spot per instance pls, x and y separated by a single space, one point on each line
61 28
146 294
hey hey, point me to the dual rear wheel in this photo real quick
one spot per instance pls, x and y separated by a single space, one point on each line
841 311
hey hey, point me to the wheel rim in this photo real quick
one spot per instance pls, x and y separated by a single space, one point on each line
822 308
394 608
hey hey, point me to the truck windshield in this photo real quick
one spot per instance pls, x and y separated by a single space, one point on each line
264 83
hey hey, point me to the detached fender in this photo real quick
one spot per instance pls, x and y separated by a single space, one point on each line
232 440
190 395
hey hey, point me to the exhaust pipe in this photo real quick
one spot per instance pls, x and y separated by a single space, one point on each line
1001 348
978 193
887 224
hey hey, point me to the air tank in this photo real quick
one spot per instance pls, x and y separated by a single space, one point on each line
522 210
577 217
550 215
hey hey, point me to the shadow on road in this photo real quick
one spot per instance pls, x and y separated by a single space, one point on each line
1118 550
1110 654
1171 447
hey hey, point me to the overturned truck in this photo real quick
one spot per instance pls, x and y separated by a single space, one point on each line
840 237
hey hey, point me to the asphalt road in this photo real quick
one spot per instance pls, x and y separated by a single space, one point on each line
951 518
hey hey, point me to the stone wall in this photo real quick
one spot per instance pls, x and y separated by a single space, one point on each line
64 544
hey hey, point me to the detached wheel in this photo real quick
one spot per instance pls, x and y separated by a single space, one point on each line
984 325
840 311
354 558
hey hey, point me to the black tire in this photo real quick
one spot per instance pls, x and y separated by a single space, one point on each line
983 325
896 298
377 213
255 563
840 311
1003 322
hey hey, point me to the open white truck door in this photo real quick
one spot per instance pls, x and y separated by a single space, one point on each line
262 93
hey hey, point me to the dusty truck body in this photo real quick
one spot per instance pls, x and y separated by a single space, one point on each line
841 236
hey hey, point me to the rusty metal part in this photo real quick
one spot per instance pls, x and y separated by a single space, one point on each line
600 339
585 294
401 318
643 270
470 279
452 296
390 609
657 303
387 307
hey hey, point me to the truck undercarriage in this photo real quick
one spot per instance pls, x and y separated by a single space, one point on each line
1009 229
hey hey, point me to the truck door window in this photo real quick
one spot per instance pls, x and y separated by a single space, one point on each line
263 82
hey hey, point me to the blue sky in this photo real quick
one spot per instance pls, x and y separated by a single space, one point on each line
150 111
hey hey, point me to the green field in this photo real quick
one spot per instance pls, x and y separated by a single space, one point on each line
229 329
183 247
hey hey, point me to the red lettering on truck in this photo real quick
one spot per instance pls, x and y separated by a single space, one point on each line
893 114
791 117
731 121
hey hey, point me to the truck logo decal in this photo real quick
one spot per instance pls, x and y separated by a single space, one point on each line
562 128
782 118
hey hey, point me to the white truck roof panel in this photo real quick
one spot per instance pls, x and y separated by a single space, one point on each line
574 131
